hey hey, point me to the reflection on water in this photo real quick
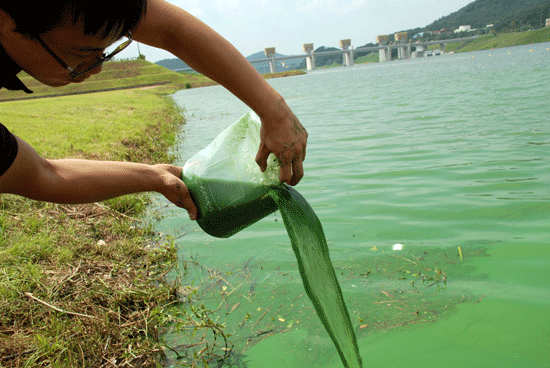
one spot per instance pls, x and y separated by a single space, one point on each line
438 155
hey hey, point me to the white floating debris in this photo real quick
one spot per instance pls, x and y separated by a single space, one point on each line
101 243
397 246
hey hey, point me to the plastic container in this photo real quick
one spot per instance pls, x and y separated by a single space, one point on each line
226 182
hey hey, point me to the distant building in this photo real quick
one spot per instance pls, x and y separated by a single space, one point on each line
463 29
548 22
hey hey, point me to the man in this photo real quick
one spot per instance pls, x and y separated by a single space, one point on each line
63 42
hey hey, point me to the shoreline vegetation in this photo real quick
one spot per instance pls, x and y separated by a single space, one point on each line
87 285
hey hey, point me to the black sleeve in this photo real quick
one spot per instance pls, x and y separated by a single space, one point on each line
8 149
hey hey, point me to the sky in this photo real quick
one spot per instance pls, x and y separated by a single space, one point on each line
253 25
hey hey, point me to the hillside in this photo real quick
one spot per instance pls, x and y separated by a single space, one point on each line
261 67
115 75
531 18
480 13
283 65
505 15
173 64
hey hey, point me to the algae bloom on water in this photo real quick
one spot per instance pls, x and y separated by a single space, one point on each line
232 193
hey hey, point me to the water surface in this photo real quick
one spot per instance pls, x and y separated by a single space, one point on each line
447 156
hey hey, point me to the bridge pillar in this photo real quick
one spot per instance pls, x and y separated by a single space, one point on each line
346 61
442 48
345 44
385 54
310 58
403 51
270 53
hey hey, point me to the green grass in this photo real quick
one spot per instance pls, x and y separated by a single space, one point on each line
289 73
373 57
85 286
501 40
115 75
99 125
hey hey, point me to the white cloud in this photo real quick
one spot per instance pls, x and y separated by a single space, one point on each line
341 7
230 8
191 6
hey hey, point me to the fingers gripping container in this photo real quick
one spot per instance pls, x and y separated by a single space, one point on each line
226 183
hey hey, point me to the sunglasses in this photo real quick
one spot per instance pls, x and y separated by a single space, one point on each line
106 57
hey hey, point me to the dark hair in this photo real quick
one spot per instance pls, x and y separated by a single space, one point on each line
106 18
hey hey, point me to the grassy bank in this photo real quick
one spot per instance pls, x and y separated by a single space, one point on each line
79 287
501 40
121 75
85 286
115 75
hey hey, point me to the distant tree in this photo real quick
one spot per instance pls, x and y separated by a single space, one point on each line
504 14
532 18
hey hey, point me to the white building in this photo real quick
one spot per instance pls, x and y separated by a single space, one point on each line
548 22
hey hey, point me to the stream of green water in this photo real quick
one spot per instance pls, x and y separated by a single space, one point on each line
311 250
250 203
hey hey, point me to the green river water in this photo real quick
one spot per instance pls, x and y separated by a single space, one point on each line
431 179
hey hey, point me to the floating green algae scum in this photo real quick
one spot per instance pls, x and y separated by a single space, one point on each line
260 299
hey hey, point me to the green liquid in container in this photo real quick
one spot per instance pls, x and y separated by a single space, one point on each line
226 208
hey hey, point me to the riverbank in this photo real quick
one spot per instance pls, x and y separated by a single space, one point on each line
482 43
86 286
94 275
501 40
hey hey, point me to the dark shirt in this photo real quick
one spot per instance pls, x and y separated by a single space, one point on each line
8 80
8 149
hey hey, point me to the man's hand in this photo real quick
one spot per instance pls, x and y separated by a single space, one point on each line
175 190
285 137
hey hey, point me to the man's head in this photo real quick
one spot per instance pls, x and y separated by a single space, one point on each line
73 31
104 18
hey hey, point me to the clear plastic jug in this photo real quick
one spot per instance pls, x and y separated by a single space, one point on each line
226 183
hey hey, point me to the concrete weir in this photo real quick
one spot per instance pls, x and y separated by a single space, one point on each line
384 48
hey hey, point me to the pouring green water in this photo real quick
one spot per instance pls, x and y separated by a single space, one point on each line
232 194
